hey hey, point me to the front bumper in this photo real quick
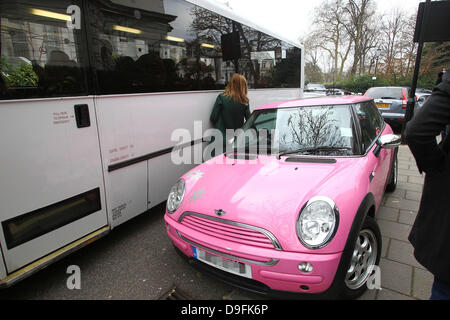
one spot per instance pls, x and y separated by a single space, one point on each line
272 270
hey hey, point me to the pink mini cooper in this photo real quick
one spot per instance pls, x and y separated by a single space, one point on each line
292 208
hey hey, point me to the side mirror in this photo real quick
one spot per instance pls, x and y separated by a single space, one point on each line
389 141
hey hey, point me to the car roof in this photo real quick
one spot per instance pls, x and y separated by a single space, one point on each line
316 101
390 87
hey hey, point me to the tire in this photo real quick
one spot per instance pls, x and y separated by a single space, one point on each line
365 255
392 182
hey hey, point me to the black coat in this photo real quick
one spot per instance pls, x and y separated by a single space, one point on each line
430 235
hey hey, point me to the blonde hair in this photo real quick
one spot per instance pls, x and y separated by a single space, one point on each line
237 89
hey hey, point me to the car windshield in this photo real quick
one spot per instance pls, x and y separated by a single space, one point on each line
316 130
385 93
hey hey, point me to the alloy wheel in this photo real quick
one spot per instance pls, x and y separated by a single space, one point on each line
363 260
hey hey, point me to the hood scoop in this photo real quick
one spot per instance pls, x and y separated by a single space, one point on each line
241 156
311 160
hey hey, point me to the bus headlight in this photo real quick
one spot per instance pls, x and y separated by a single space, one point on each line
317 222
176 196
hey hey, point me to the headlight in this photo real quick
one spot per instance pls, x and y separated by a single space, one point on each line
176 196
317 222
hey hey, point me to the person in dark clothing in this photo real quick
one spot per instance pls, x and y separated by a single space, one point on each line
3 87
439 77
447 127
430 234
231 108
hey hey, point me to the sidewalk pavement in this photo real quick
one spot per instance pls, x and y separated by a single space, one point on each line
402 277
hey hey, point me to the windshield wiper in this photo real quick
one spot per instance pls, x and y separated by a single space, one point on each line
313 149
390 98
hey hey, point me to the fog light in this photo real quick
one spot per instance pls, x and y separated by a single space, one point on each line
305 267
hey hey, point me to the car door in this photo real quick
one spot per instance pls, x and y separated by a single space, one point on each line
378 161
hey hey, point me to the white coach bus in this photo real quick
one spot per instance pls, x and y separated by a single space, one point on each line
90 92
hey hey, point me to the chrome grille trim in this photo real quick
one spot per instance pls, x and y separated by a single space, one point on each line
268 234
269 263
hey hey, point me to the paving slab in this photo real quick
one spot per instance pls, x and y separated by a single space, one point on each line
407 217
417 180
402 203
386 294
387 213
384 248
401 251
396 276
410 186
422 283
413 195
394 230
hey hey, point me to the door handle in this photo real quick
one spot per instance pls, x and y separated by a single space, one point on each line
82 115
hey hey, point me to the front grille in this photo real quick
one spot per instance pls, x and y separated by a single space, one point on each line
230 230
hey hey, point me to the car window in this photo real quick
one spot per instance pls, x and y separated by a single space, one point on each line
370 122
303 127
378 118
265 121
385 93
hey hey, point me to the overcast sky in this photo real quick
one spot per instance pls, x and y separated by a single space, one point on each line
291 18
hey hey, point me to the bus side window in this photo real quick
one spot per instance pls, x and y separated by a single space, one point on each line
40 55
154 47
177 46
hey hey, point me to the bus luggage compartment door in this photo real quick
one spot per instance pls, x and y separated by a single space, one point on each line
51 189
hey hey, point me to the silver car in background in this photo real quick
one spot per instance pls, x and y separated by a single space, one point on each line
391 102
315 87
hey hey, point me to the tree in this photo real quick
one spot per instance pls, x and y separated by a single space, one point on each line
330 35
346 35
313 73
21 75
435 58
369 41
397 43
359 13
407 44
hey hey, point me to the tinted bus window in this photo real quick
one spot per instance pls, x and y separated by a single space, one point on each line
265 61
149 47
172 45
40 55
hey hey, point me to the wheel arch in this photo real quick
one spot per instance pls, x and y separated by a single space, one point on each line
366 208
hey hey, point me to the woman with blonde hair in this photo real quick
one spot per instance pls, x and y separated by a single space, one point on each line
232 106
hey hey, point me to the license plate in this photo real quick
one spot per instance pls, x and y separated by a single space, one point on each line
221 263
383 105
